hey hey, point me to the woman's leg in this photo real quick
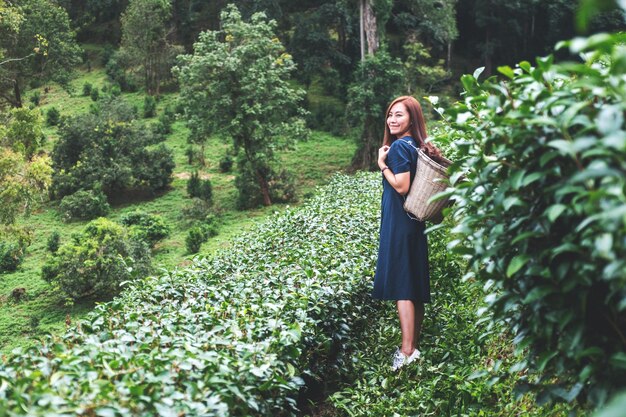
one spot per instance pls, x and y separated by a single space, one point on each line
408 325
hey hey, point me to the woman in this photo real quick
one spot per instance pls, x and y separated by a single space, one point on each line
402 268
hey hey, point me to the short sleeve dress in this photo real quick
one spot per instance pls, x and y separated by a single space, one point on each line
402 267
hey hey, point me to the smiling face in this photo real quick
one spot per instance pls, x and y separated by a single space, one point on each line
398 120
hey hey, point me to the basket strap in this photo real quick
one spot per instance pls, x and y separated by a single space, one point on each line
404 197
409 142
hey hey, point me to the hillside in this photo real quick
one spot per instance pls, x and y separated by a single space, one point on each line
45 309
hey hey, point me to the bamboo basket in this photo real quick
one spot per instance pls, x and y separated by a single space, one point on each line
430 178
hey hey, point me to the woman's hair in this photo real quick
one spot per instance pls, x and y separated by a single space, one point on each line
417 128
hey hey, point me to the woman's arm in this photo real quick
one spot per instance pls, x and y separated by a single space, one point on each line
400 182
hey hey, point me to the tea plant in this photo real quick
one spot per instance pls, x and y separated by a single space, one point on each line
542 214
237 334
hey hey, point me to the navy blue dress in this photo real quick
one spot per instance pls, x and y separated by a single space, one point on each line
402 267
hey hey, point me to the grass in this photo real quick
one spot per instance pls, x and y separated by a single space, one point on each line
45 310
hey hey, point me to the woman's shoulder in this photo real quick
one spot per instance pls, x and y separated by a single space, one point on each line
406 142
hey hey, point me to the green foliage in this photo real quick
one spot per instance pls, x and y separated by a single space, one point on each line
226 163
276 306
84 205
87 89
541 214
110 150
149 107
197 187
150 228
23 131
40 46
54 241
422 72
146 40
235 83
94 94
22 183
35 98
165 121
53 116
281 185
11 255
195 238
197 209
378 80
115 70
97 261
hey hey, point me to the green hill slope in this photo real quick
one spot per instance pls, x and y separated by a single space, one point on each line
45 309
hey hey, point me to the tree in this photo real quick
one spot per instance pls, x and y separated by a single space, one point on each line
236 83
111 151
24 176
433 23
146 33
40 47
377 80
24 132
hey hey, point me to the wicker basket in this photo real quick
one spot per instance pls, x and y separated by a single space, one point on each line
430 178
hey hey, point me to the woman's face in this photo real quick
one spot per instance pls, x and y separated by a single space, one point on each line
398 120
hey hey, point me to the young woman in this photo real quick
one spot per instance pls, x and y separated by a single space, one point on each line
402 268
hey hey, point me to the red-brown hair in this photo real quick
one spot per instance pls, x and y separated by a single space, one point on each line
417 128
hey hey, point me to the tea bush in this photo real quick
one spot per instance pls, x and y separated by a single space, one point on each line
542 214
234 335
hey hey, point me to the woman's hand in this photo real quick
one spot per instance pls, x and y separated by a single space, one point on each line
382 156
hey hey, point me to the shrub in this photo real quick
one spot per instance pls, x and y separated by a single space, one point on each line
150 228
53 242
115 90
149 107
87 89
84 205
197 209
53 116
11 256
97 261
35 98
117 75
112 150
164 124
199 188
542 215
94 94
195 238
226 163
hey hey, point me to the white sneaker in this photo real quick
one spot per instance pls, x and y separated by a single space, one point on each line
400 359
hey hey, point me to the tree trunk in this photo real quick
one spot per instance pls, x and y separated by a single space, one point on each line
265 188
370 27
17 93
365 157
361 32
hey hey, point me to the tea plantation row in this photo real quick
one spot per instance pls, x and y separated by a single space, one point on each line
234 335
